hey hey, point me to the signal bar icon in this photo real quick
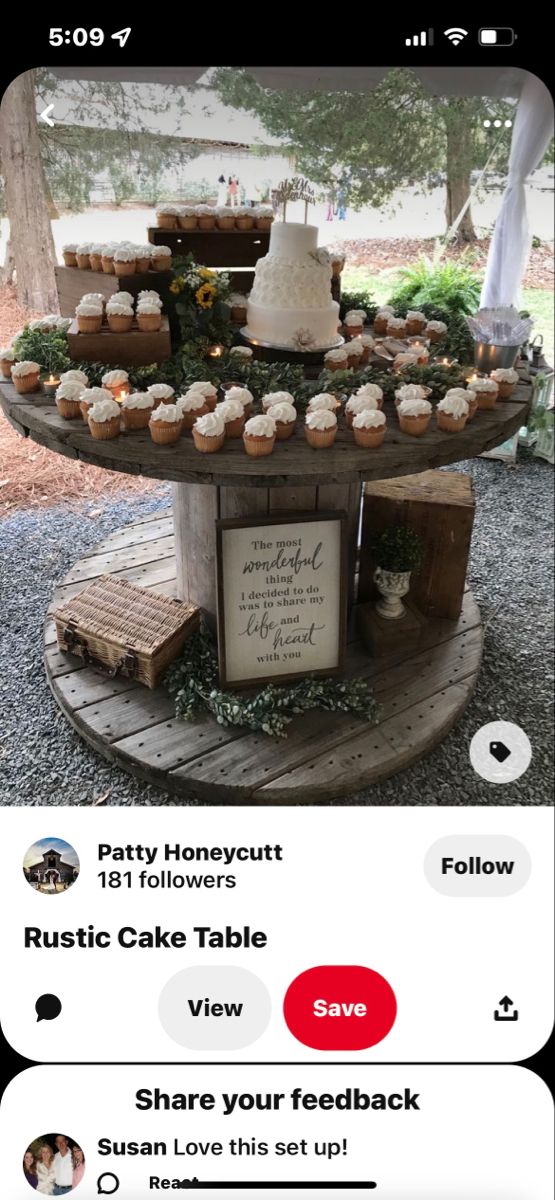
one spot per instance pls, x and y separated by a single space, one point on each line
425 38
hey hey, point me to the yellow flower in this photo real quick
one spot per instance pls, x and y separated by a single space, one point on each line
175 287
205 295
206 273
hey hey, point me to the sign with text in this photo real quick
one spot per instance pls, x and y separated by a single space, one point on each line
281 597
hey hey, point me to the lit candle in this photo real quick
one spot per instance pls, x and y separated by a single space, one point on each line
51 385
216 351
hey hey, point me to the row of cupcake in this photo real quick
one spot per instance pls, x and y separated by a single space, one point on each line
119 312
414 323
208 216
117 258
356 353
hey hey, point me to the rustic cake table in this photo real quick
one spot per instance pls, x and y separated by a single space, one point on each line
326 755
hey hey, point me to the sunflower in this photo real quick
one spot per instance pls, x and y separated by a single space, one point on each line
205 295
177 286
206 273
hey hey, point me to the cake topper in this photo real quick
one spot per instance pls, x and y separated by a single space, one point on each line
295 189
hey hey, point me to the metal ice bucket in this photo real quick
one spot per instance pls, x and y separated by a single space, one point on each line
489 357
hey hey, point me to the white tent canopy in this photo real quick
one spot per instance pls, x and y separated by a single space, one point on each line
533 129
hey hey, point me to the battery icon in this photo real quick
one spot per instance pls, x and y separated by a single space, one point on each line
496 37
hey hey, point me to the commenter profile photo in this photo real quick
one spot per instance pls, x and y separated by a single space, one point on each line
51 866
54 1164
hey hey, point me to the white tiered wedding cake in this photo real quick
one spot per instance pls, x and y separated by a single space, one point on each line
290 303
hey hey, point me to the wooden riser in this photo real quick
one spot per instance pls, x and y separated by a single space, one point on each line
133 349
214 248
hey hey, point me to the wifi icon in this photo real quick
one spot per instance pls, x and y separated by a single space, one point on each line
456 35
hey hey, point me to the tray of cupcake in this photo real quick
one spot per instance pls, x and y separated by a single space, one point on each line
123 328
117 258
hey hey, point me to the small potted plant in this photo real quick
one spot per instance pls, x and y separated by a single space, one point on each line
397 552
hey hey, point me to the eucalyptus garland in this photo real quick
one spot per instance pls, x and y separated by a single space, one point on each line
193 682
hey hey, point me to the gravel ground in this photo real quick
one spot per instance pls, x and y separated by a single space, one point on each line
42 761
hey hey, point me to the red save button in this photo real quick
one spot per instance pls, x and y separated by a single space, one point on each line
339 1008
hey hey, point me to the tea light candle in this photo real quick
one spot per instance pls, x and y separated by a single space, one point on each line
445 362
215 351
51 385
123 392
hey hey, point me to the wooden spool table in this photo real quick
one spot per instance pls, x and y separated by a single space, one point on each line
326 755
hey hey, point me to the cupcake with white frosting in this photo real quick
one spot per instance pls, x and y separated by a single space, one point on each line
187 216
149 317
125 260
233 416
336 360
209 433
90 396
25 376
192 405
452 412
371 390
241 353
396 327
324 402
94 298
259 436
75 376
104 419
108 258
486 390
69 254
83 256
506 379
411 391
89 317
163 393
225 217
119 316
95 254
7 359
272 398
435 330
358 404
414 416
369 428
136 410
420 349
381 319
206 217
143 258
149 296
320 427
238 305
244 395
416 322
122 298
244 218
165 424
353 324
209 391
285 415
116 382
355 352
263 216
472 400
166 216
368 344
67 398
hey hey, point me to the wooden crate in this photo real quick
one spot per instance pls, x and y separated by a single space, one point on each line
214 248
73 283
124 629
439 506
133 349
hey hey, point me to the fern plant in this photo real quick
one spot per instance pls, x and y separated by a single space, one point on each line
451 286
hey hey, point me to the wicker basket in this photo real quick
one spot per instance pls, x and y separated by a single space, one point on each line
123 629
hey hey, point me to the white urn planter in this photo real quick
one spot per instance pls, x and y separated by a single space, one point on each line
392 585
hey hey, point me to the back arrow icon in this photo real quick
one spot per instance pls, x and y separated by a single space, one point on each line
44 116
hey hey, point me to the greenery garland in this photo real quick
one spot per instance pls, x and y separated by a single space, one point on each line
193 682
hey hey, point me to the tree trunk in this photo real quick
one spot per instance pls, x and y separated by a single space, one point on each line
8 267
459 165
26 198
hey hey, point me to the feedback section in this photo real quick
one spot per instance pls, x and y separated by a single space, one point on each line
278 935
428 1133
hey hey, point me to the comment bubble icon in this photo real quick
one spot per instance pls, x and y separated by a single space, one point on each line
48 1007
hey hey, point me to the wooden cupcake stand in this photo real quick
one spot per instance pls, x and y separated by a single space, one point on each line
325 755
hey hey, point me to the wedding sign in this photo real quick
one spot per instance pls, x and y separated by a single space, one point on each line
281 597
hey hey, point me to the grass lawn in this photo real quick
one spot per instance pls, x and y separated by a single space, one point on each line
537 301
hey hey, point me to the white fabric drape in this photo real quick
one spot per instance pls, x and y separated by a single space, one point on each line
510 245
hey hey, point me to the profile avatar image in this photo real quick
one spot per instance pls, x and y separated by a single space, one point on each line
53 1164
51 866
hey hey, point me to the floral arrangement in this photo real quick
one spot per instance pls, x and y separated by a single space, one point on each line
201 297
193 682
